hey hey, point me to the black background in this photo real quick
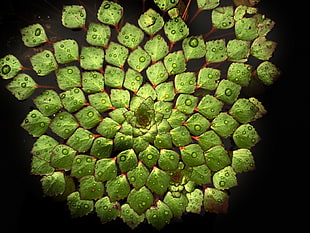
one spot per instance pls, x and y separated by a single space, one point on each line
272 198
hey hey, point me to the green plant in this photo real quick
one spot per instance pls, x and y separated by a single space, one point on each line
132 132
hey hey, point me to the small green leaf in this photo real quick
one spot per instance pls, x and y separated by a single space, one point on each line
139 59
68 77
64 124
177 118
165 5
180 136
225 178
209 106
158 216
48 102
22 86
133 80
149 156
243 161
261 109
140 199
246 29
78 207
90 188
239 73
197 124
208 140
215 201
243 110
264 24
217 158
88 117
168 159
100 101
35 123
66 51
130 217
9 66
108 127
224 125
268 73
194 47
246 136
177 205
186 103
118 188
185 82
192 155
33 35
91 58
62 157
105 169
81 140
83 165
216 51
40 166
102 147
98 34
200 174
147 91
222 17
195 199
73 16
175 62
207 4
130 35
127 160
208 78
227 91
116 54
107 210
165 91
157 73
238 50
43 147
73 99
110 13
262 48
156 47
163 141
151 22
158 181
92 82
120 98
176 29
163 108
53 184
43 62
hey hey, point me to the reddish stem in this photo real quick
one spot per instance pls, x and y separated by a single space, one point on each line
49 87
195 16
213 29
186 10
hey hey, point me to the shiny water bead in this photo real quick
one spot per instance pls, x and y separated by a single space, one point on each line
118 188
105 169
207 4
177 205
185 82
66 51
77 206
225 178
267 73
98 34
239 73
88 117
243 161
73 99
159 216
68 77
217 158
83 165
222 17
35 123
175 62
151 22
116 54
246 136
130 36
48 102
238 50
194 47
110 13
209 106
192 155
64 124
224 124
176 29
22 86
33 35
73 16
243 110
90 188
81 140
215 201
43 62
262 48
92 82
53 184
156 47
62 157
216 51
91 58
138 59
165 5
9 66
227 91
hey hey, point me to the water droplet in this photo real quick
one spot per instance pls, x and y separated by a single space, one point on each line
86 206
6 69
132 179
90 114
89 160
23 85
42 124
142 59
122 158
197 127
226 122
33 115
65 151
154 216
194 154
78 160
222 183
171 157
76 90
173 32
193 42
149 156
174 65
106 6
37 32
228 92
188 102
69 71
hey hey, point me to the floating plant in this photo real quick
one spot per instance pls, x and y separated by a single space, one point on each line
134 132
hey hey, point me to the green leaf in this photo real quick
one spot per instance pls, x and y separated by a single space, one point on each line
53 184
208 140
138 59
120 98
180 136
165 91
110 13
22 86
90 188
157 73
118 188
158 216
222 17
9 66
91 58
195 199
62 157
207 4
33 35
163 141
156 47
208 78
140 199
108 127
158 181
48 102
130 36
40 166
217 158
243 110
261 109
177 118
165 5
78 207
130 217
149 156
107 210
127 160
116 54
200 174
147 91
176 29
267 73
227 91
225 178
83 165
215 201
43 62
262 48
68 77
88 117
73 99
224 125
66 51
246 136
264 24
194 47
98 34
185 82
186 103
163 108
192 155
243 161
133 80
246 29
177 205
175 62
151 22
105 169
35 123
64 124
73 16
102 147
100 101
168 159
238 50
239 73
216 51
197 124
92 82
81 140
209 106
43 147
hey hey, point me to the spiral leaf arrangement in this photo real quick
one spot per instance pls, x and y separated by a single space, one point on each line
132 133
